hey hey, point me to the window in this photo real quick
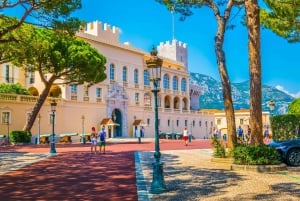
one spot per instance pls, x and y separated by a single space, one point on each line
31 78
112 72
86 90
206 125
146 78
124 74
168 122
200 123
175 83
218 121
5 118
166 82
148 121
7 73
147 99
185 123
241 121
193 123
159 101
177 123
136 76
51 119
98 92
183 85
73 89
136 97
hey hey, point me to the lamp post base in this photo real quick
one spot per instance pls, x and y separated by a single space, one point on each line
158 184
52 148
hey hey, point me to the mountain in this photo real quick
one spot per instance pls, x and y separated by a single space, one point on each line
212 98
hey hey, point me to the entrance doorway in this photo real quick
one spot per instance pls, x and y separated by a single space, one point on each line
117 118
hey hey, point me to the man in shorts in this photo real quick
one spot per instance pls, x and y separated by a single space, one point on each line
101 140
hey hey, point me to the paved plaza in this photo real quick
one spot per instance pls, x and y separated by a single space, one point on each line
125 173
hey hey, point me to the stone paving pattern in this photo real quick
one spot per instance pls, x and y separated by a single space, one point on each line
125 173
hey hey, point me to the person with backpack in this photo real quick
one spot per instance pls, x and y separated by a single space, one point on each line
101 139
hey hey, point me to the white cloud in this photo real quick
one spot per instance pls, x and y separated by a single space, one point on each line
281 88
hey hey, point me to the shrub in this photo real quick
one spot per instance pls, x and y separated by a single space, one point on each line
255 155
219 149
19 136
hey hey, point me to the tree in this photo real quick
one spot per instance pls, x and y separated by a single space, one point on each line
47 13
184 7
283 18
65 59
253 26
294 106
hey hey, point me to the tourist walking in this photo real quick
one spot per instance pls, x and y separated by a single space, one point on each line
93 140
101 140
185 136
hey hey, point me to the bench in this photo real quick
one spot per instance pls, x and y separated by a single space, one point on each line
44 138
66 137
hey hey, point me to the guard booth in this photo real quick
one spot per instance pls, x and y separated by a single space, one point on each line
137 126
109 127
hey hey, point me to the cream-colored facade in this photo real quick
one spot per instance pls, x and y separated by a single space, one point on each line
242 118
124 97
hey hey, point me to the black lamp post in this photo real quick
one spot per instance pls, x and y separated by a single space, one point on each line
82 136
52 144
39 129
154 65
271 106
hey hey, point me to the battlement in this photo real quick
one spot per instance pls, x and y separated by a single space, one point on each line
104 31
172 43
175 50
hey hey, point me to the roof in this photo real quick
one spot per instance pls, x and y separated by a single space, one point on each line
105 121
137 122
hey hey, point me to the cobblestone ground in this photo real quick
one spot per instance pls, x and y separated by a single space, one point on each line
191 175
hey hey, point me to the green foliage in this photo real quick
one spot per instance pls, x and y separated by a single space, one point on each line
282 17
54 14
294 107
219 149
284 126
19 136
67 58
255 155
13 89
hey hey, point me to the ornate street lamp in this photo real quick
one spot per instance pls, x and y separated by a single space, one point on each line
271 106
82 137
39 128
154 65
53 109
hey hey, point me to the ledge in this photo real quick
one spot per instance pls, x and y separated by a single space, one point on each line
260 168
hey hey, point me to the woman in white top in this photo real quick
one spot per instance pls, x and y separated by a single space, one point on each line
185 136
93 140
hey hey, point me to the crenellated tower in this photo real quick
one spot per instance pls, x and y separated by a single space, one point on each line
176 50
103 31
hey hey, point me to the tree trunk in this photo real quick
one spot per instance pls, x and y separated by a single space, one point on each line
228 104
37 107
253 25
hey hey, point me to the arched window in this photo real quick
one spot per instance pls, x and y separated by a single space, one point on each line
136 76
175 83
183 85
112 72
166 82
146 78
147 99
124 74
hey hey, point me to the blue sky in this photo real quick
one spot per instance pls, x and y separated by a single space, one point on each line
146 23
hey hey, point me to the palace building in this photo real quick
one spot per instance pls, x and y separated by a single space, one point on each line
122 103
